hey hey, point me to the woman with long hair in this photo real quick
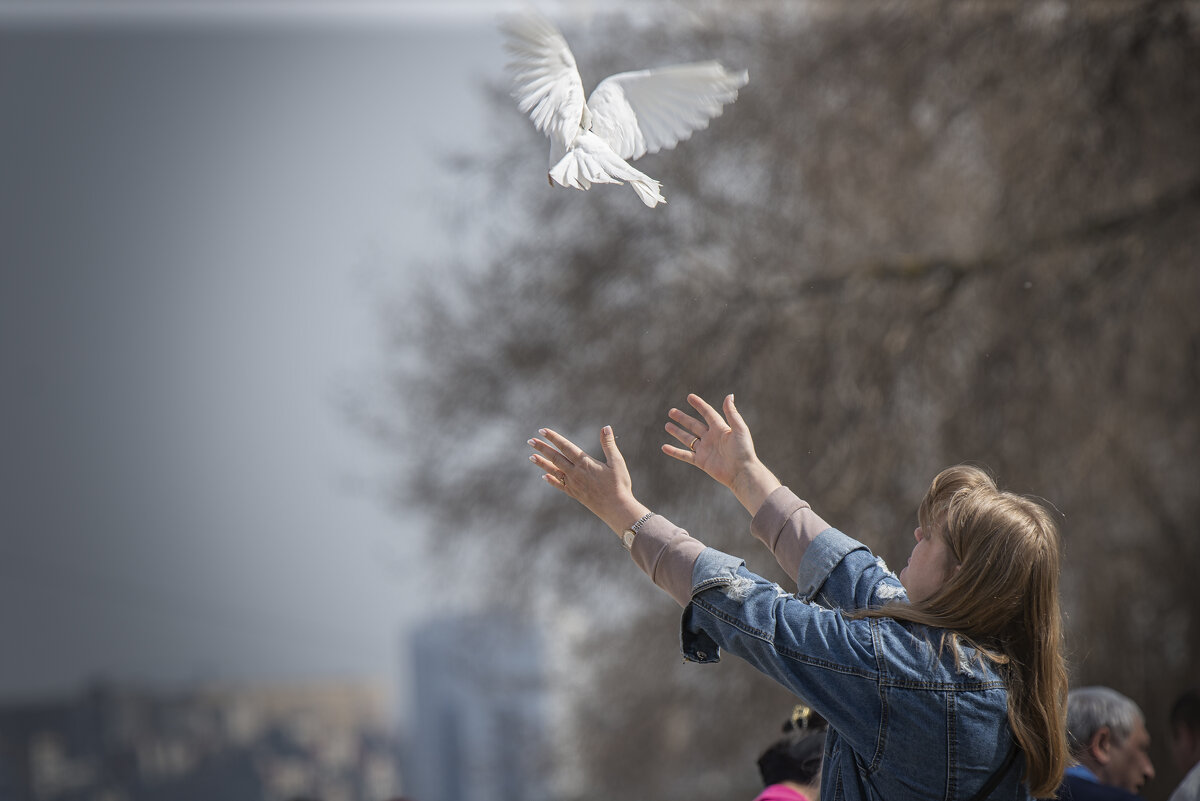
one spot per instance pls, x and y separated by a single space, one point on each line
947 682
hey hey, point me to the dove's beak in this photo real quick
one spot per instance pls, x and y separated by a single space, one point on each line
549 180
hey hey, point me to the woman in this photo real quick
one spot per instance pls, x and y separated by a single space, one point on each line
946 683
791 767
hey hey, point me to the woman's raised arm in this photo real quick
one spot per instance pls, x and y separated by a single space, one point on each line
719 445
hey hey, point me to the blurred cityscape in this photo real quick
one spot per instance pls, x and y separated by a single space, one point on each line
477 733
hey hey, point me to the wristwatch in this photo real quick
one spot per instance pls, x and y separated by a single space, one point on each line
628 535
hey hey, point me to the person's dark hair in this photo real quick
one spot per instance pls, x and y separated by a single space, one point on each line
1185 712
797 756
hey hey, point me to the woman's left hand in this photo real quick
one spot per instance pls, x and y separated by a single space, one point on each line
603 487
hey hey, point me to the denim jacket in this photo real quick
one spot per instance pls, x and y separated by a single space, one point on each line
908 719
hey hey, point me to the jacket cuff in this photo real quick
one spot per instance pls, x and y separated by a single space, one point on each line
774 514
667 554
787 525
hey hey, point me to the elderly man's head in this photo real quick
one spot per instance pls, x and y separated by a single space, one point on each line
1107 733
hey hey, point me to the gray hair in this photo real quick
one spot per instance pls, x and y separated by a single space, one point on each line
1090 709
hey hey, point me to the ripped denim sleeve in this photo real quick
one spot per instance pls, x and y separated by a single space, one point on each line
713 569
722 584
815 652
839 572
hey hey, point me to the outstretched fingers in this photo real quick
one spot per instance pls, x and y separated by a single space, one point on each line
553 459
711 416
713 443
561 458
685 436
682 454
568 449
687 423
688 431
736 423
554 475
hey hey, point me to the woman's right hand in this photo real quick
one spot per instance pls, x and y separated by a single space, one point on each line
723 448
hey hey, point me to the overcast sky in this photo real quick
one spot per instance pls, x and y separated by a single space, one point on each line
197 214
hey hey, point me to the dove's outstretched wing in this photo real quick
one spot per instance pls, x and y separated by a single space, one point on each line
546 82
651 110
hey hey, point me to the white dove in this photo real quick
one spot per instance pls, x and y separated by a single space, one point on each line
627 116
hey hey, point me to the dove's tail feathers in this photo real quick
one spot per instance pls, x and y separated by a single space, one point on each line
580 170
649 191
592 162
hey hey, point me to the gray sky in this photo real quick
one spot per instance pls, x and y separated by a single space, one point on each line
196 219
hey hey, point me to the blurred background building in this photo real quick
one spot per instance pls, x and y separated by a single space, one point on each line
480 728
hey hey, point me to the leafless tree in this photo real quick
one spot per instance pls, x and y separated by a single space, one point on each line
925 233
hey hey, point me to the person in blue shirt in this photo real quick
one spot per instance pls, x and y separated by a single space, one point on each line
1109 745
947 682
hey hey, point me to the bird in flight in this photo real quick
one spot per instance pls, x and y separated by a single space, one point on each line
627 116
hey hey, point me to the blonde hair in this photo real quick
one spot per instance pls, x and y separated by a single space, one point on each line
1003 601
